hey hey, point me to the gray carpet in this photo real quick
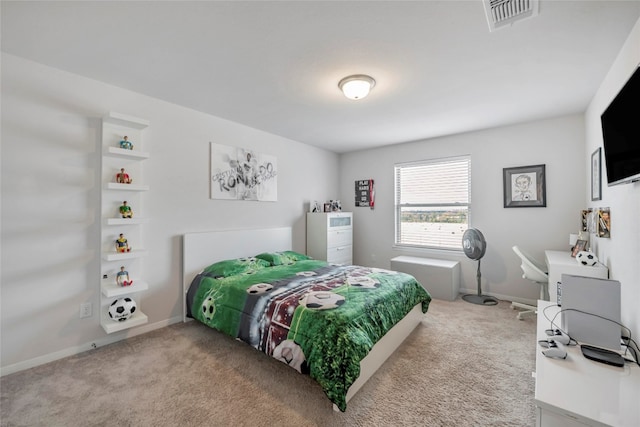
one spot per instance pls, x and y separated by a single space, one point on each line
465 365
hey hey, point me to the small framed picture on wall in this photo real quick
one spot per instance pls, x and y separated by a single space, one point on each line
603 223
596 175
524 187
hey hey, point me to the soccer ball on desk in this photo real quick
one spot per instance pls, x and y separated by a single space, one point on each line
587 258
121 309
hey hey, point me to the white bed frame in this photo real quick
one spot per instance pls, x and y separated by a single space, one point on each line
203 249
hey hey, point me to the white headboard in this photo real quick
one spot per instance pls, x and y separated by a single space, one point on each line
202 249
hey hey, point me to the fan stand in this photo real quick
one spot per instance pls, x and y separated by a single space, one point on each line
480 299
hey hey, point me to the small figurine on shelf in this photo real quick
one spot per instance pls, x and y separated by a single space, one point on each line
123 177
125 210
122 278
122 245
126 144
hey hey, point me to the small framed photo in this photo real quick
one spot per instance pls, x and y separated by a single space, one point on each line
524 187
581 245
314 206
596 175
603 223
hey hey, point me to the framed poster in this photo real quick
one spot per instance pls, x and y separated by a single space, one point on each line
524 187
596 174
241 174
365 193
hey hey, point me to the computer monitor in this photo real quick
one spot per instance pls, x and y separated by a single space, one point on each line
591 310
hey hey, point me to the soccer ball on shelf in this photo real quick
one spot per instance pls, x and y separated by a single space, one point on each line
587 258
122 309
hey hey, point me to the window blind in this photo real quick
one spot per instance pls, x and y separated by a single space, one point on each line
432 202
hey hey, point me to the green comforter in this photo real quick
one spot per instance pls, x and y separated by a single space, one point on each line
319 318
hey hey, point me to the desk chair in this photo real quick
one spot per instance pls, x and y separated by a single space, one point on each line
534 271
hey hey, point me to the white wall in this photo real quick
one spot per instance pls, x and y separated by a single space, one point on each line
557 143
622 251
51 196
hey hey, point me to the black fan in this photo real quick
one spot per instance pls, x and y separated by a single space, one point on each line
474 247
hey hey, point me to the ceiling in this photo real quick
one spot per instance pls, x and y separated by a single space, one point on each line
275 65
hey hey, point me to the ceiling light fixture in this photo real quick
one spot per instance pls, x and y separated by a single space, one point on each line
356 86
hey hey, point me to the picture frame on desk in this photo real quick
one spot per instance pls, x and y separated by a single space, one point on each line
524 187
581 245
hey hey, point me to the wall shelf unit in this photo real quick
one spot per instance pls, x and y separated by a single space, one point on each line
111 290
126 187
114 158
110 326
118 256
126 221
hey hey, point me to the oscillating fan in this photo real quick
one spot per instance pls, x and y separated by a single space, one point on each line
474 247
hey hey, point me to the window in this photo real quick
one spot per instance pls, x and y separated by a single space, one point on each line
432 203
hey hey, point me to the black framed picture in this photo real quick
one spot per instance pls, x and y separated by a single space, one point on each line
596 174
524 187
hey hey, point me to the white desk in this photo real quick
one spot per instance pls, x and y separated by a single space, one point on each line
561 262
577 391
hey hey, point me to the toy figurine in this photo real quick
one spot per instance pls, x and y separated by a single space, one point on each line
123 177
126 144
122 245
122 278
125 210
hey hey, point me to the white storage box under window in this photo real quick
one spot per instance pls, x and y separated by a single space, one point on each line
441 278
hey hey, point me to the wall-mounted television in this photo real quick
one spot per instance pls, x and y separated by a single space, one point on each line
621 133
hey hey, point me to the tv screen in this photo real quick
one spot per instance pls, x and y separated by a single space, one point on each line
621 133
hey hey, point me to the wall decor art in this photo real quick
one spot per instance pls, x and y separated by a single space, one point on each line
365 193
586 220
596 174
524 187
242 174
603 223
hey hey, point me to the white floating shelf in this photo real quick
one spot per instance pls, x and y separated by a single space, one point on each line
111 289
115 256
126 154
125 120
126 221
110 326
127 187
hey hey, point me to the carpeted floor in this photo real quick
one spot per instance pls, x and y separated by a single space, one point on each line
465 365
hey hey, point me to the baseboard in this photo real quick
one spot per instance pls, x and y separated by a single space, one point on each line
502 297
72 351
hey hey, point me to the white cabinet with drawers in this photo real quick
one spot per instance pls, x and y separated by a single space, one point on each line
330 236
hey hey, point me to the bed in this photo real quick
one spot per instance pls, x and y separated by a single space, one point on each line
336 323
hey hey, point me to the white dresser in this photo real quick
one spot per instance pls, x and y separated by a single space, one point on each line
561 262
577 391
330 236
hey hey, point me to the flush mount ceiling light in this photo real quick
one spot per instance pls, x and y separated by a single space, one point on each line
356 86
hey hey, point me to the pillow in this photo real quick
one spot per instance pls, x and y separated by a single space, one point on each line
282 258
232 267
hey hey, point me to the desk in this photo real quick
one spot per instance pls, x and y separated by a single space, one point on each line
577 391
561 262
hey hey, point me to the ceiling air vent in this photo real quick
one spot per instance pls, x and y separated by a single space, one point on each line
505 12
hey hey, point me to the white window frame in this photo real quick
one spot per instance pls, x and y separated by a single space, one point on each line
399 206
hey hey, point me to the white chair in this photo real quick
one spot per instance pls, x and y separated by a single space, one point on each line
534 271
